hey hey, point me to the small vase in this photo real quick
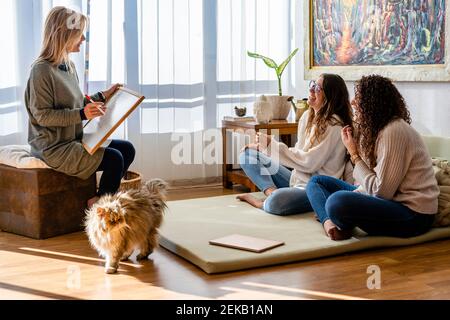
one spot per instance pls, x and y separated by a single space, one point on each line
240 112
281 106
300 108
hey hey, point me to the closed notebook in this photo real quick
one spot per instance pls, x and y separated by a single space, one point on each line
247 243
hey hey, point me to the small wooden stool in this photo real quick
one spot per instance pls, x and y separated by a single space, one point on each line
42 203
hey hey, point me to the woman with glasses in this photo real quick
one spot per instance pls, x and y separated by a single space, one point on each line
398 193
319 150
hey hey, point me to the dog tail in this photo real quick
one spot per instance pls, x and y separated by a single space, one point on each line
157 187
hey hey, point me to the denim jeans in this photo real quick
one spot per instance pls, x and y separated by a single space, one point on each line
118 157
266 174
334 200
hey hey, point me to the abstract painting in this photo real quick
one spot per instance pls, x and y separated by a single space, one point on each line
379 33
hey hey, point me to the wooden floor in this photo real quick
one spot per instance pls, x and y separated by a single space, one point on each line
67 268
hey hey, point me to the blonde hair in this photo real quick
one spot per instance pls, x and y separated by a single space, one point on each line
63 29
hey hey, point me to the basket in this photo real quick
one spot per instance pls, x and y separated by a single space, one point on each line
131 181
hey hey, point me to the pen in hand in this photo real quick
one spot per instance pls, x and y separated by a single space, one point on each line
92 101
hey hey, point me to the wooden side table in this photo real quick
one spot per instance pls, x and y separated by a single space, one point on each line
283 127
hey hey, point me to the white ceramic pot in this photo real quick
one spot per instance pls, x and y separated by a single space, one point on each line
281 106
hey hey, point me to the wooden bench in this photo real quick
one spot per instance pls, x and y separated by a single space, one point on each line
42 203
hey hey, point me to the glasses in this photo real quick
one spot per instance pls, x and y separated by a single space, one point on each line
315 87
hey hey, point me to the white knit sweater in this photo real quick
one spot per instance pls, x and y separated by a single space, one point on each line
326 158
404 171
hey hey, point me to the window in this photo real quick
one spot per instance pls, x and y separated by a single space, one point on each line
9 118
171 65
251 25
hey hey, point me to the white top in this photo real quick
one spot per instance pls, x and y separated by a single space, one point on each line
326 158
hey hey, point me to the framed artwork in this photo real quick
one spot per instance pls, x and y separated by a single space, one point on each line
405 40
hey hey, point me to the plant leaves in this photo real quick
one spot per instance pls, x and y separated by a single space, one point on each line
283 66
269 62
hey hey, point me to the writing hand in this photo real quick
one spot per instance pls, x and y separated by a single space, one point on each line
94 110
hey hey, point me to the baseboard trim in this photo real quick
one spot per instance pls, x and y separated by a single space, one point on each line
194 183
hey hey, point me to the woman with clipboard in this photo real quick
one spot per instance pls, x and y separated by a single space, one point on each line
57 107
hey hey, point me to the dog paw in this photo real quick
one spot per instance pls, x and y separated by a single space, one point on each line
111 270
142 257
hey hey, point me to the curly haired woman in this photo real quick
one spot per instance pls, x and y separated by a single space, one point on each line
398 193
319 150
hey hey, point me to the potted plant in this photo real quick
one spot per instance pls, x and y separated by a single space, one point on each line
281 105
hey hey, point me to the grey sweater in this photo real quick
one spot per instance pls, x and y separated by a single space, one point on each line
404 171
54 100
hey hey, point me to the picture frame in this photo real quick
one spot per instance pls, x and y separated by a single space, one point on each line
392 54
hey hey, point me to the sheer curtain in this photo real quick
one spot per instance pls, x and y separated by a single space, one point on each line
261 26
21 25
188 57
171 75
11 122
193 69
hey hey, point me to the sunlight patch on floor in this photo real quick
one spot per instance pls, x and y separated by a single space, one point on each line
74 256
245 294
319 294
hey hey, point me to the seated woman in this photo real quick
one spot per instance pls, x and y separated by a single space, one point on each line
56 109
319 150
398 192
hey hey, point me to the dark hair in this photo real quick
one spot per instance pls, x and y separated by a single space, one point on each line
337 102
379 103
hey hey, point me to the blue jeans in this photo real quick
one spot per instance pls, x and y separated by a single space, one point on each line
265 175
334 200
118 157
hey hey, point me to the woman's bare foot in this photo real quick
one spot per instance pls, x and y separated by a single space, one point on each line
257 203
92 201
334 233
269 191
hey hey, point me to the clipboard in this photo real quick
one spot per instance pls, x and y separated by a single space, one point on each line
241 242
118 107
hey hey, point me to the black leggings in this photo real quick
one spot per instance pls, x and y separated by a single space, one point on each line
119 155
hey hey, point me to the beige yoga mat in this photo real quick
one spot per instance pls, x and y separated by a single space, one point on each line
190 225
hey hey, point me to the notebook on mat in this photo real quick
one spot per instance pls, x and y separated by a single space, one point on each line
247 243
